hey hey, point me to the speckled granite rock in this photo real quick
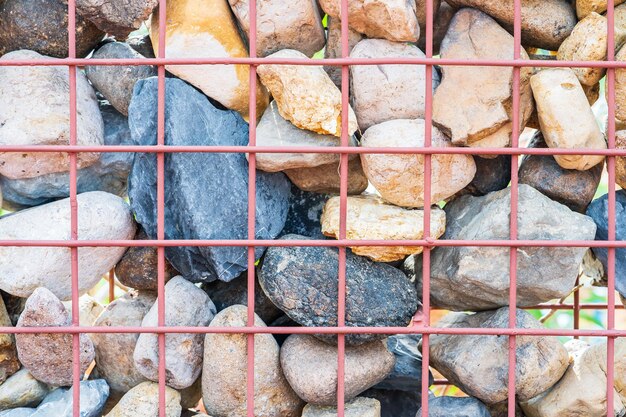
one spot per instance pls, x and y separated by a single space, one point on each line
325 179
117 18
585 7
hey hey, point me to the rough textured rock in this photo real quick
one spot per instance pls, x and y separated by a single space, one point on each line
598 211
400 178
42 26
582 390
143 400
48 357
185 305
370 218
206 29
585 7
545 23
570 187
620 161
467 111
469 278
41 117
224 371
117 18
407 372
572 127
274 130
52 222
283 25
359 407
22 390
9 363
305 95
325 179
109 173
395 20
302 281
492 174
196 179
479 364
333 47
620 90
440 26
88 309
138 268
116 82
394 403
455 407
114 351
310 366
387 92
305 210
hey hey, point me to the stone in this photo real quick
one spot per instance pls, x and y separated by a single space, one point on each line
9 364
41 26
185 305
88 309
143 400
370 218
570 187
359 407
493 174
598 211
310 366
467 111
305 210
387 92
477 278
274 130
283 25
190 397
586 7
116 18
22 390
620 161
142 44
478 365
206 29
545 24
224 371
582 390
442 17
48 357
620 90
116 82
14 306
138 268
573 128
52 222
333 47
325 179
395 20
41 117
196 179
305 95
407 372
109 173
302 281
421 14
395 403
114 351
455 407
400 178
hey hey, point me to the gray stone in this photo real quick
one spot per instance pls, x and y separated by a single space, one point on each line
302 281
455 407
143 400
196 206
492 174
478 364
359 407
48 356
116 82
305 210
310 366
407 371
22 390
477 278
117 18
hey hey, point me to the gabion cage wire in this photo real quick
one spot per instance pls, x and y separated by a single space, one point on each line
422 321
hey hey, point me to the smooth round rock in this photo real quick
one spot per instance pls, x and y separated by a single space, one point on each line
143 400
324 179
620 161
22 390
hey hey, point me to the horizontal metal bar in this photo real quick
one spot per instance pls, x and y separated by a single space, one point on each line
592 306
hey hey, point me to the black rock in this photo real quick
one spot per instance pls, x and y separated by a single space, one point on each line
455 407
491 175
305 211
396 403
302 281
206 194
407 372
598 211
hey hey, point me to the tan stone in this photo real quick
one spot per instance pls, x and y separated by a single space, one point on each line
400 178
206 29
143 400
283 25
395 20
305 94
333 47
566 118
620 90
473 105
582 390
620 161
325 179
585 7
545 23
9 364
359 407
88 309
369 218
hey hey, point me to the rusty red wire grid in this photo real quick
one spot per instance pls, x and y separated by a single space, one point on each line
422 322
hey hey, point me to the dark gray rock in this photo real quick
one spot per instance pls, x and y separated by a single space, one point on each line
305 211
116 82
206 194
302 281
455 407
407 372
598 211
109 173
491 175
396 403
143 45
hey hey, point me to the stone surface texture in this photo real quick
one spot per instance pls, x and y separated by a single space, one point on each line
359 407
305 210
117 18
492 174
455 407
396 403
407 372
143 400
88 309
22 390
620 161
585 7
333 46
325 179
444 15
9 364
620 91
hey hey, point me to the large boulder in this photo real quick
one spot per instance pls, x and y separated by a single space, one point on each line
117 18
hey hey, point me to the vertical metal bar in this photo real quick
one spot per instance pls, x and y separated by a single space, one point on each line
576 308
111 285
